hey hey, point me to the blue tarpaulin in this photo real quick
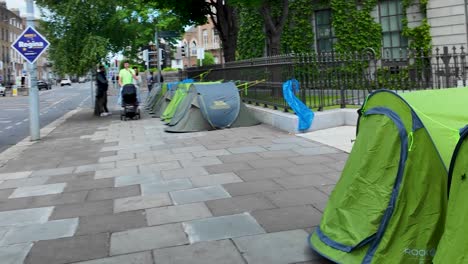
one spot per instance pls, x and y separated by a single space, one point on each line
305 115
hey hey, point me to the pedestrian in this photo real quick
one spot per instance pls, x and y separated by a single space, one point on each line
149 81
126 76
102 84
137 82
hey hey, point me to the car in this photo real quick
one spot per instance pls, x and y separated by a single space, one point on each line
2 90
43 85
64 82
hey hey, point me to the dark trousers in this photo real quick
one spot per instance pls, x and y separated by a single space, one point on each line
100 105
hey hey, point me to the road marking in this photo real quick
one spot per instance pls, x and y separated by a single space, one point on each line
19 123
24 120
5 122
8 127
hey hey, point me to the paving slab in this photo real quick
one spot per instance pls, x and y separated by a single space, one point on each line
158 167
236 158
285 247
111 173
244 188
319 150
239 204
303 160
123 156
308 169
111 222
288 218
38 190
173 157
303 181
165 186
135 258
222 251
83 209
294 197
5 193
153 177
239 150
14 254
278 154
263 174
271 163
52 172
94 167
44 231
25 216
141 202
7 184
199 194
211 153
70 249
57 199
135 162
176 214
188 149
184 173
113 193
228 167
281 146
80 185
15 175
198 162
215 179
222 227
142 239
70 177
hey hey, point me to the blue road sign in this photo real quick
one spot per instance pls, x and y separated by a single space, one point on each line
30 44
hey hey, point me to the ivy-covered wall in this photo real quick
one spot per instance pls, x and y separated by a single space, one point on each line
298 34
420 36
251 38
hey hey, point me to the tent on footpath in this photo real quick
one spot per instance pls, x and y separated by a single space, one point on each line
210 106
390 203
164 97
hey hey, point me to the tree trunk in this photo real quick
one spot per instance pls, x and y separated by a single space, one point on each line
274 26
226 22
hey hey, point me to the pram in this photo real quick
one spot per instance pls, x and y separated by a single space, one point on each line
130 102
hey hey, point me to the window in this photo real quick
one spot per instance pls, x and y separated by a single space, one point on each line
205 38
215 38
391 15
324 31
193 48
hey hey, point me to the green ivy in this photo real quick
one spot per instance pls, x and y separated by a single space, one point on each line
251 39
298 35
419 37
354 26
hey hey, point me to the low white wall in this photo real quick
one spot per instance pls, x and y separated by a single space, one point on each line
289 122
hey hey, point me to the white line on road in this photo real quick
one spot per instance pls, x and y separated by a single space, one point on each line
25 120
19 123
5 122
9 127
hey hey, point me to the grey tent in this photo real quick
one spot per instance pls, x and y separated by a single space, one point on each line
162 102
209 107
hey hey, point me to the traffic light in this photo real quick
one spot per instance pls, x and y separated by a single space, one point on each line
163 54
182 51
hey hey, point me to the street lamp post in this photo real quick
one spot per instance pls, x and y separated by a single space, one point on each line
34 126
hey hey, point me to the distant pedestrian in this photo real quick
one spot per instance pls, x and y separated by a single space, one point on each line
126 76
102 84
137 82
149 80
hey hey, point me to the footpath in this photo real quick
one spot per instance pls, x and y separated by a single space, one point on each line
101 191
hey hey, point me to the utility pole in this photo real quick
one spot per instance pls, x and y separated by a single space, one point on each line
34 126
156 41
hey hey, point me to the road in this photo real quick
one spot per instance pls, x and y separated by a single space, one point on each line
54 103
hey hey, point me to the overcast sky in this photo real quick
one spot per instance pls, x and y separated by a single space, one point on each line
21 5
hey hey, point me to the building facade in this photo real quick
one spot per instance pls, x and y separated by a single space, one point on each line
11 26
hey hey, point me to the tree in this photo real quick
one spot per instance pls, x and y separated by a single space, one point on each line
225 18
207 60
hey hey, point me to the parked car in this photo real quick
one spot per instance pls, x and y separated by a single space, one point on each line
64 82
2 90
43 85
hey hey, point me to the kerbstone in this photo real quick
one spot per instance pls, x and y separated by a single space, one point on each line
286 247
215 179
222 227
14 254
38 190
288 218
141 202
43 231
136 258
165 186
199 194
25 216
147 238
153 177
175 214
239 204
222 251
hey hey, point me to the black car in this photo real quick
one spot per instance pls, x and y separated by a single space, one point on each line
42 85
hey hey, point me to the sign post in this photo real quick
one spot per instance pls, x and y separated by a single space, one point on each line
30 45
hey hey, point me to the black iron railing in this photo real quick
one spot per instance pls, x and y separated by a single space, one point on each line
340 79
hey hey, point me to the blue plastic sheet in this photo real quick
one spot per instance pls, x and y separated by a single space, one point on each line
305 115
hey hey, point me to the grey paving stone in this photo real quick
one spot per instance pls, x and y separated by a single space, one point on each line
80 185
294 197
72 249
281 146
111 173
211 153
333 175
43 231
113 192
70 177
14 254
199 194
198 162
239 204
83 209
57 199
339 156
188 149
289 139
38 190
111 223
303 160
239 150
173 157
135 258
15 175
7 184
5 193
135 162
152 177
287 218
52 172
158 167
123 156
222 227
215 179
165 186
222 251
278 154
286 247
141 202
244 188
326 189
184 173
308 169
271 163
94 167
317 150
25 216
303 181
228 167
262 174
337 165
147 238
178 213
239 158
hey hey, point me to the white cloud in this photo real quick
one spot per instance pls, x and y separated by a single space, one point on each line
21 5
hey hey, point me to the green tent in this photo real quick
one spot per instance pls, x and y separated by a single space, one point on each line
390 203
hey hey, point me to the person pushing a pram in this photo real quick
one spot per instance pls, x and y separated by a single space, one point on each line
129 96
